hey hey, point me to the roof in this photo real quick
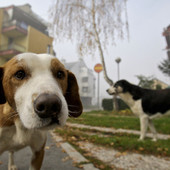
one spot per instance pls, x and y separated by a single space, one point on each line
27 8
81 63
24 12
70 65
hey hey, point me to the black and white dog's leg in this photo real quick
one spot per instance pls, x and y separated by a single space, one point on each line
11 165
153 130
143 126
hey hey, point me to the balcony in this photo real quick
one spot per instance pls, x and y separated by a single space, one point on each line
14 29
11 49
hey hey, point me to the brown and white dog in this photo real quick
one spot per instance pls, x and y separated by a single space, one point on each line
37 93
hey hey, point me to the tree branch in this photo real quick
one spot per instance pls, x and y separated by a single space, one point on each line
108 80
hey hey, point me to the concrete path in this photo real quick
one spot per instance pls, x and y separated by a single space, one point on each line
112 130
125 160
55 158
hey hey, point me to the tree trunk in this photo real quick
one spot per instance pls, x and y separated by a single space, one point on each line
115 103
108 80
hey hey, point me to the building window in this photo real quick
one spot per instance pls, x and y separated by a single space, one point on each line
85 79
85 89
10 43
48 49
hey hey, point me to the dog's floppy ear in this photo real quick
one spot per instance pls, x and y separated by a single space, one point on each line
72 96
2 95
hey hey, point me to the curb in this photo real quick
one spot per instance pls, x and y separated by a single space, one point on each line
76 156
73 153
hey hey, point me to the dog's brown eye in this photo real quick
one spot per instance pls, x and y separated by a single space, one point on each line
60 74
20 74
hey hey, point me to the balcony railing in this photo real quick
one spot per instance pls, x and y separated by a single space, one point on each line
12 25
12 46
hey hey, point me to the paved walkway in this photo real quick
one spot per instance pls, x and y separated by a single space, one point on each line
54 159
73 153
125 160
112 130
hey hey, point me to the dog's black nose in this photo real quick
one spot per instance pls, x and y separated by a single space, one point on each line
47 105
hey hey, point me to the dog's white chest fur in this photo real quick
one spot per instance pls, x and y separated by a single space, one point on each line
17 137
136 106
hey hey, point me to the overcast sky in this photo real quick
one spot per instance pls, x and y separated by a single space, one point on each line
140 55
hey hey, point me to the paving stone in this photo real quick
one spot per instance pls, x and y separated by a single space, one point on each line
89 167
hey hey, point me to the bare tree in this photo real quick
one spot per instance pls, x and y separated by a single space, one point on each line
94 23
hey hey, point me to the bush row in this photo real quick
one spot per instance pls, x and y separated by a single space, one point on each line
107 104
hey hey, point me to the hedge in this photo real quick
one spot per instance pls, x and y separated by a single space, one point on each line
107 104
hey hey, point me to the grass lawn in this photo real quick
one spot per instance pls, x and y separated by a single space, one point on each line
119 120
122 142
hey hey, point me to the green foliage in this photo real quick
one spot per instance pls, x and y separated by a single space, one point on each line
158 87
107 104
120 141
116 120
164 67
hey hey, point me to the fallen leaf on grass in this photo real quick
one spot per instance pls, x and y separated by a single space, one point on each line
124 153
66 158
101 166
159 149
80 145
47 147
166 149
140 158
82 138
88 154
73 138
112 143
80 166
118 154
141 148
63 150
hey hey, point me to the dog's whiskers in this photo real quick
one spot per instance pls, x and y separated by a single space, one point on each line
73 106
76 112
14 114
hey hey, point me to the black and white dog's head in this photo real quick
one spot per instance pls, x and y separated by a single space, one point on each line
124 87
121 86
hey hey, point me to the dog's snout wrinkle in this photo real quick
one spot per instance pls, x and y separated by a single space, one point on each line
47 105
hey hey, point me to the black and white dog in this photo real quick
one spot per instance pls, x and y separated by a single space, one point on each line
144 103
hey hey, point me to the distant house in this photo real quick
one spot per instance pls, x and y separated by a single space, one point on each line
166 33
21 30
158 84
86 80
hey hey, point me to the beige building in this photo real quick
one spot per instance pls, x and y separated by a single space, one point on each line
158 84
21 30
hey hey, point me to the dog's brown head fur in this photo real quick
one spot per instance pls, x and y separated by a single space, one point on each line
27 76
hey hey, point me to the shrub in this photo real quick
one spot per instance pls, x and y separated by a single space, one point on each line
107 104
